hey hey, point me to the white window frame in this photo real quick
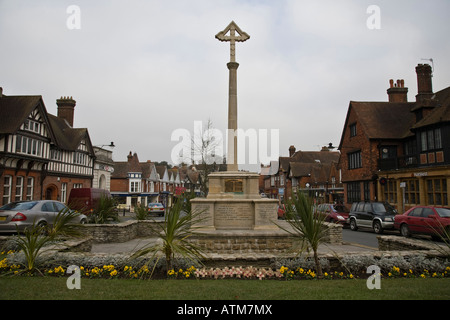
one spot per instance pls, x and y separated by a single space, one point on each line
19 188
30 188
7 189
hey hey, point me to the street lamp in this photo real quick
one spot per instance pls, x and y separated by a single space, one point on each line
111 145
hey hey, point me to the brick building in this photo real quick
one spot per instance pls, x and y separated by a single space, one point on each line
314 172
398 151
41 155
134 182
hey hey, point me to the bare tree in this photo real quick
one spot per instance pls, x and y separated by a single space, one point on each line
207 153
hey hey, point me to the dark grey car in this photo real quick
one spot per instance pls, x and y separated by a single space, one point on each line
375 215
16 216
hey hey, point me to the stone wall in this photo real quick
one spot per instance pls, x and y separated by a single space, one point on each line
395 243
122 232
273 241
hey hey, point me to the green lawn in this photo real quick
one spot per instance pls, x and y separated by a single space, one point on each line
51 288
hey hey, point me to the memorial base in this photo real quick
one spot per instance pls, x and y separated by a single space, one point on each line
234 203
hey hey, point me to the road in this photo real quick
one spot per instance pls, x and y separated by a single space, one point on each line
366 238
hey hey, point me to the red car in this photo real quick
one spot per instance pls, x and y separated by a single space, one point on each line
334 213
434 221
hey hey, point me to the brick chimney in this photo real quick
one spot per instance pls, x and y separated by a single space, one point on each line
66 108
397 91
291 151
424 82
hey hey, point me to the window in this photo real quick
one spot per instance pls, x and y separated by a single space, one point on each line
388 152
30 188
437 192
56 154
354 160
353 131
412 195
135 186
63 192
353 192
431 139
28 146
7 181
366 190
79 158
19 189
390 191
33 126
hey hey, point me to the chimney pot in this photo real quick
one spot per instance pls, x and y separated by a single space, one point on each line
397 91
291 151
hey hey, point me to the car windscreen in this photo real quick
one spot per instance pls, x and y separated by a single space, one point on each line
19 206
443 212
340 208
383 208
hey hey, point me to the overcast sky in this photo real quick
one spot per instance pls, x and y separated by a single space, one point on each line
141 69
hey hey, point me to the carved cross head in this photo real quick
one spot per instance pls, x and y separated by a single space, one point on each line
231 34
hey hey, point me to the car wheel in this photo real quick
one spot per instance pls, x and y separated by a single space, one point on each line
404 230
353 225
377 227
83 221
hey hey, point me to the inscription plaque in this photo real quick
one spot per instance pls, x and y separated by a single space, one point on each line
234 185
236 215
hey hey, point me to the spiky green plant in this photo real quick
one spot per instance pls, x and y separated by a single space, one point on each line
141 212
36 237
63 225
306 227
31 243
173 237
104 210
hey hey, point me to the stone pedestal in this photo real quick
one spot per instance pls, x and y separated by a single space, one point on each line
234 203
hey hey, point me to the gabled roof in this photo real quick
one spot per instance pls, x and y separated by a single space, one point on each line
382 120
441 113
14 110
315 156
68 138
393 120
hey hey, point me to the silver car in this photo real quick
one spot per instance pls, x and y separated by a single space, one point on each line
16 216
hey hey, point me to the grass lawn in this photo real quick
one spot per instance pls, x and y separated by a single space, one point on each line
51 288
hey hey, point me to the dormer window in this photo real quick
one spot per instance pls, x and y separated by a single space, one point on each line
33 126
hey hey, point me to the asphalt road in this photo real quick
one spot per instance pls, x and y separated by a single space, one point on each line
365 238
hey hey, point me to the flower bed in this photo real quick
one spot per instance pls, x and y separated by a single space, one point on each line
146 271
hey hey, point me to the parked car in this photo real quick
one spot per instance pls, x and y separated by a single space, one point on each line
334 213
156 208
376 215
434 221
16 216
85 200
281 211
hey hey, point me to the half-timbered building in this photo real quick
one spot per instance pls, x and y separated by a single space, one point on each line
41 155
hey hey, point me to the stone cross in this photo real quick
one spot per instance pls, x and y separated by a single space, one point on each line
235 34
232 38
